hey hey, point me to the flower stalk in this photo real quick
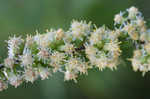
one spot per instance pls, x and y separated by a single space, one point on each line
73 52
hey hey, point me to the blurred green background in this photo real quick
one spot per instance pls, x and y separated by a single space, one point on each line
21 17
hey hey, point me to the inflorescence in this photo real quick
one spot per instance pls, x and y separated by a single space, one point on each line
73 52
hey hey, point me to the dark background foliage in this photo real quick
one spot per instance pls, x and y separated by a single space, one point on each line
21 17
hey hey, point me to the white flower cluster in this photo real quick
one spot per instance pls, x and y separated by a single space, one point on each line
103 48
73 52
132 23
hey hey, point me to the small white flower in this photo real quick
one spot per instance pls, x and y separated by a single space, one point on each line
44 40
92 59
82 68
118 18
90 50
131 30
113 35
132 12
72 63
13 46
112 63
44 73
29 40
112 46
143 68
30 75
68 48
101 63
14 80
95 37
27 59
79 29
135 64
70 76
56 60
41 40
76 65
9 62
57 57
43 54
59 34
140 22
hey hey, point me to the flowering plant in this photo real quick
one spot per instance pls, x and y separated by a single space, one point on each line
73 52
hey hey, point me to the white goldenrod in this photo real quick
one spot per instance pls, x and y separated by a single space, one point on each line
75 51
